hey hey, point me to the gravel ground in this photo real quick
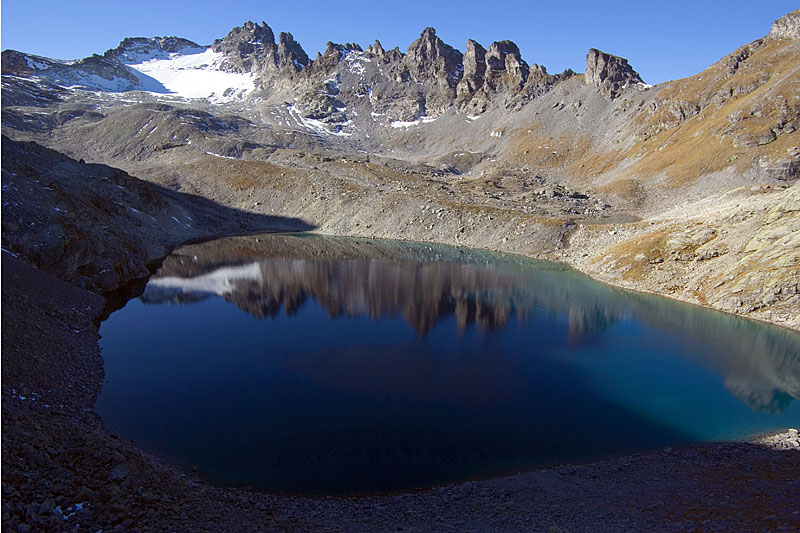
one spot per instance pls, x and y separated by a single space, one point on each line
63 471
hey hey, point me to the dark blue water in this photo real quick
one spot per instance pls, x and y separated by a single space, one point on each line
320 365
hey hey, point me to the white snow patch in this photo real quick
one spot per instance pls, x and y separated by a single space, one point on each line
317 126
217 155
144 126
34 64
192 75
407 124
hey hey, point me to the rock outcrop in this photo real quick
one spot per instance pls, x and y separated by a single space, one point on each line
540 81
290 54
610 74
137 49
437 65
474 70
505 69
14 62
249 48
787 27
500 70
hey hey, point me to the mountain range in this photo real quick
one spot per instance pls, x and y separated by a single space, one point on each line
685 188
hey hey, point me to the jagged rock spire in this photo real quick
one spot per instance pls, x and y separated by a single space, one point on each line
610 74
474 69
430 56
248 48
505 68
244 39
290 53
376 49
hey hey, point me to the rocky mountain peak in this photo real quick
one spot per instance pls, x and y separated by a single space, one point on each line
249 32
497 52
328 60
290 53
505 68
429 55
18 62
138 49
432 62
376 49
248 48
474 69
610 74
787 27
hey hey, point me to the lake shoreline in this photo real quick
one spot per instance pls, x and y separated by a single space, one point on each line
61 467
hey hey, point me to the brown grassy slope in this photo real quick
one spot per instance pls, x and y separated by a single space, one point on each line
741 111
743 108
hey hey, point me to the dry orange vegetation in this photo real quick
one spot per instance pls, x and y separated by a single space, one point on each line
641 250
745 103
629 189
690 129
529 147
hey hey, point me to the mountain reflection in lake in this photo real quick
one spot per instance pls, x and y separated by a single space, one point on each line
372 365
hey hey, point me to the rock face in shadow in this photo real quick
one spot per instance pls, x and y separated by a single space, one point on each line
96 226
610 74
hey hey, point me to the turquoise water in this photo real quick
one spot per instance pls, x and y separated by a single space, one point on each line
328 366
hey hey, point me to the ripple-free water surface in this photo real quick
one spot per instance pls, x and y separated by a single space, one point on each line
323 365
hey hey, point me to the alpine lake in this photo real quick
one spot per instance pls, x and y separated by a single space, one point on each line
317 365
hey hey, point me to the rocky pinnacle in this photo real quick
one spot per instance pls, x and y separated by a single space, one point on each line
609 74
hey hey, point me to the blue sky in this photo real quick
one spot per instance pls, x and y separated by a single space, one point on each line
662 40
